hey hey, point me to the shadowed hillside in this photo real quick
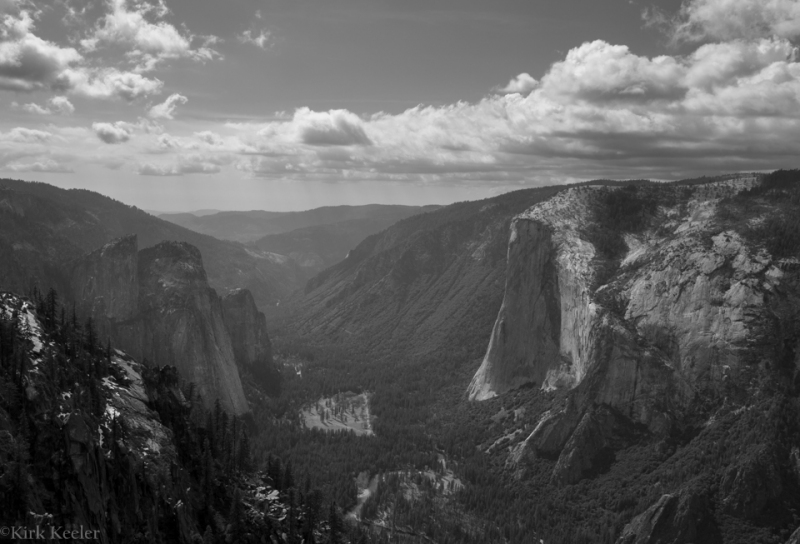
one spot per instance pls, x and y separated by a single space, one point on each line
44 226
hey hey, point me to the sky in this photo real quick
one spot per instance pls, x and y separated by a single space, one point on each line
176 105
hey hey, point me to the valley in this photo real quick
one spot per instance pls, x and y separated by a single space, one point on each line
608 362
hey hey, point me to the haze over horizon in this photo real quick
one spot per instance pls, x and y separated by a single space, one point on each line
288 105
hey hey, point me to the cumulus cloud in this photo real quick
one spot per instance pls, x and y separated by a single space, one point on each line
29 63
522 84
335 127
727 20
115 133
61 104
185 166
599 71
42 165
209 137
33 108
111 83
730 100
57 104
149 42
263 39
26 136
602 111
167 108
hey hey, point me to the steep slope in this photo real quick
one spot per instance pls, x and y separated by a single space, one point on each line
34 240
180 323
318 247
44 227
247 328
660 314
249 226
428 283
94 441
105 283
157 305
673 320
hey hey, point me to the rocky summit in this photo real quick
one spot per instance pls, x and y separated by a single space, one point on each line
156 304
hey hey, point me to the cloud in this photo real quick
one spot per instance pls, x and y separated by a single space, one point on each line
61 104
57 104
115 133
211 138
599 71
602 111
166 108
42 165
186 166
35 108
730 100
111 83
334 127
29 63
262 40
149 43
522 84
727 20
24 135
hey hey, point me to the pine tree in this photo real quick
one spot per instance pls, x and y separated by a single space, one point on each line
288 477
292 517
334 524
235 517
244 454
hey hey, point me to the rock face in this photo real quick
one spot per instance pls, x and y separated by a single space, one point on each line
106 282
543 331
176 318
637 337
252 349
180 323
247 328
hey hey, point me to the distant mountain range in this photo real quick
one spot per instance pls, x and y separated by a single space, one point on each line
46 226
250 226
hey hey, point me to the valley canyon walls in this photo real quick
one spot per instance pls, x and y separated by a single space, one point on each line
156 305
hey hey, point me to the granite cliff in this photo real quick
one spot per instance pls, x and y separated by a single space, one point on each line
156 304
655 312
252 348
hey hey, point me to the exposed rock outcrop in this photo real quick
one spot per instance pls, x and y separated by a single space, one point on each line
176 318
180 323
252 348
247 328
639 337
106 282
543 333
